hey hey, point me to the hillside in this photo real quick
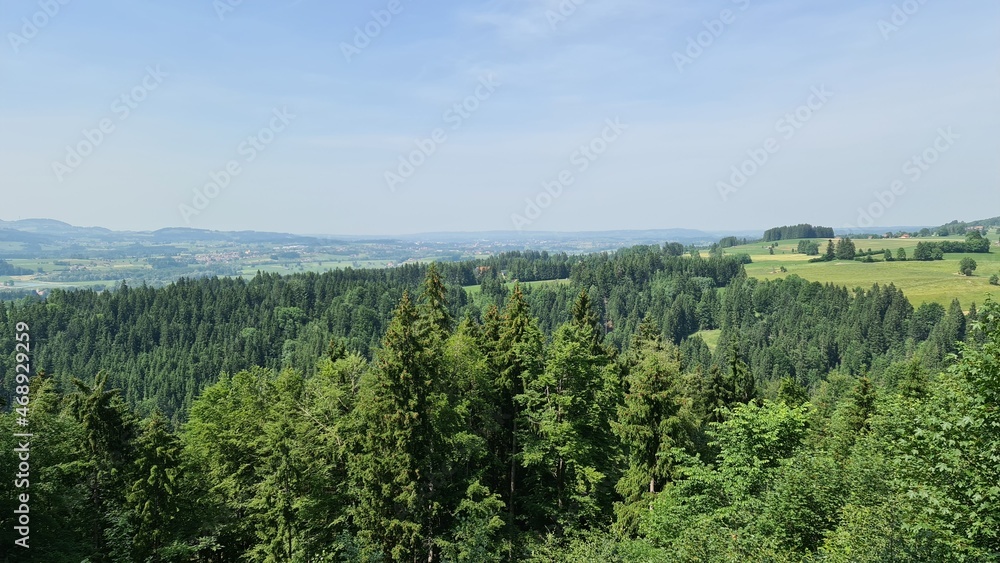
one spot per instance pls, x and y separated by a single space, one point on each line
936 281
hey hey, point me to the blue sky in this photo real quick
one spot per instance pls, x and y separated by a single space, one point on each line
555 82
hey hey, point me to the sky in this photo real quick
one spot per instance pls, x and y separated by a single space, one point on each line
395 116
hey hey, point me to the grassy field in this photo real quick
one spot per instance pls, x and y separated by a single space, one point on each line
475 289
711 338
937 281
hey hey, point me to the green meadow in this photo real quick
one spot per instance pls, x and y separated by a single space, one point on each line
937 281
477 289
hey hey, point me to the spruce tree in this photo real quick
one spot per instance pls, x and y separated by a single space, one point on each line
741 379
414 444
791 393
648 424
518 358
568 408
388 472
158 510
109 428
433 303
716 395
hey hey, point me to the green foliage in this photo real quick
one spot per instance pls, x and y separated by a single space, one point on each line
845 249
967 266
791 393
797 231
158 505
566 410
714 512
804 502
477 533
405 419
976 242
808 247
651 422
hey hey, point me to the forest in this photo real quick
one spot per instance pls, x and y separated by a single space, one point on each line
392 415
7 269
797 231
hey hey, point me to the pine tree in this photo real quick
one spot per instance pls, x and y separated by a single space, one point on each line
224 438
336 351
949 331
392 506
583 314
326 439
518 358
845 249
277 494
716 395
648 424
109 429
412 445
156 497
433 303
741 379
861 406
791 393
568 408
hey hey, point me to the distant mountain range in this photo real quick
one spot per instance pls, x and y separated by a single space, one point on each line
687 236
49 231
42 231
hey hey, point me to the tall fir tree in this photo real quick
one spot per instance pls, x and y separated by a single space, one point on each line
158 508
648 424
392 507
407 470
568 408
433 303
109 428
742 384
518 358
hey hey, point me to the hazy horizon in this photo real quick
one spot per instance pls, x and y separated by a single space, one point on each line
705 229
606 115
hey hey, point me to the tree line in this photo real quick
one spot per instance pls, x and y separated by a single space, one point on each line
798 231
8 269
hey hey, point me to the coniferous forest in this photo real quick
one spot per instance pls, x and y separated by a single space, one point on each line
394 416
